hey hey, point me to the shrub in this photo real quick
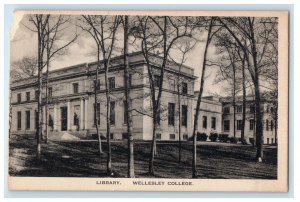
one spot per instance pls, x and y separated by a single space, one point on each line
201 137
233 140
223 137
213 136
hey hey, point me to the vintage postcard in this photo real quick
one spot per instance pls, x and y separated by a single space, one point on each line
148 101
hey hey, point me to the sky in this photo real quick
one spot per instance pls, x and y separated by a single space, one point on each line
24 44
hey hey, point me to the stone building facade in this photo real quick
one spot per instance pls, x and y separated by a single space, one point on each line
71 103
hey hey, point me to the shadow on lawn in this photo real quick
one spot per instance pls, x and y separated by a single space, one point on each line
82 159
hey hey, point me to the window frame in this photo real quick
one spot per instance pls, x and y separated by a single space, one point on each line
204 122
225 128
27 119
184 88
111 83
213 123
75 88
184 115
239 124
28 96
19 120
112 118
171 114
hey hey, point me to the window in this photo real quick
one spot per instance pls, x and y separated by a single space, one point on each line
226 125
19 120
272 125
125 112
97 84
184 115
156 80
213 123
50 90
171 114
184 88
50 121
185 136
267 125
267 108
36 119
172 84
158 136
27 119
130 80
239 108
239 124
204 121
172 136
226 110
252 108
272 140
27 96
98 114
124 136
75 88
111 83
112 113
111 136
75 119
36 95
251 124
19 97
268 141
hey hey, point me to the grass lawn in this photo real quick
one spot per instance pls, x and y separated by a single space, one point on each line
81 159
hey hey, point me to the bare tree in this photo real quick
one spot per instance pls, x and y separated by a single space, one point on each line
54 34
210 34
250 29
25 68
128 99
104 30
184 47
157 36
39 23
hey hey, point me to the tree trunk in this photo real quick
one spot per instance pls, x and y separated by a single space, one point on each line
46 87
259 125
128 103
179 118
233 103
96 85
243 140
194 164
108 112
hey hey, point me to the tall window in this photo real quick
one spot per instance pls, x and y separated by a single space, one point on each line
172 84
27 96
158 136
19 97
125 112
75 119
184 88
226 125
112 113
130 80
36 119
251 124
213 123
75 87
239 124
111 83
171 114
50 91
204 121
267 125
226 110
156 80
97 84
19 120
36 94
272 125
184 115
252 108
27 119
239 108
97 113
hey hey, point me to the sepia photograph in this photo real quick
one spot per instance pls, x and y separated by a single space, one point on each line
148 101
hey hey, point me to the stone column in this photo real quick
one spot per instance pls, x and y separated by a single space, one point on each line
70 117
82 114
55 118
85 114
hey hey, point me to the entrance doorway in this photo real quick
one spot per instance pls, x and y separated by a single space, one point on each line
64 118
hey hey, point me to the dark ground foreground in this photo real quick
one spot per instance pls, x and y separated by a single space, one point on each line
81 159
